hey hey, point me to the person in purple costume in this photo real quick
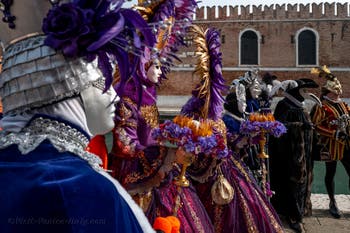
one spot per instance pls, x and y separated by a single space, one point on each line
228 191
144 167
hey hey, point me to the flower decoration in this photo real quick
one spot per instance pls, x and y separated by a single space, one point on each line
262 122
69 28
101 29
194 136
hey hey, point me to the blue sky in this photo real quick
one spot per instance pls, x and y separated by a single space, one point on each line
249 2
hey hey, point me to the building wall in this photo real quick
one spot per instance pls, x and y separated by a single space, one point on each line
277 27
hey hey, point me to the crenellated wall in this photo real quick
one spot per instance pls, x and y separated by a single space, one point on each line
274 11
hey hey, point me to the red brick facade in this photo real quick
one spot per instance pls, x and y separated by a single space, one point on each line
277 29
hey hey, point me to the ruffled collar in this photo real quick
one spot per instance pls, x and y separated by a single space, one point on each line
296 102
332 100
64 137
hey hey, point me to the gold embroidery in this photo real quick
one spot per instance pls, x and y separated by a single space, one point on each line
220 127
272 218
247 215
125 112
194 216
241 169
218 224
147 168
248 218
143 200
150 114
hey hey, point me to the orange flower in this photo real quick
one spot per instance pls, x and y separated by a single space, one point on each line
204 129
270 117
170 224
175 222
261 117
162 224
252 117
199 128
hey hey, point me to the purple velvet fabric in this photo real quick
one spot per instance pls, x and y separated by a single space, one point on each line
191 213
148 95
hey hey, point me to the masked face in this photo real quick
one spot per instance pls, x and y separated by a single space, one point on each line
99 108
255 89
335 96
154 72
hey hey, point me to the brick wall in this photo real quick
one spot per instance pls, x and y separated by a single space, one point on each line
278 26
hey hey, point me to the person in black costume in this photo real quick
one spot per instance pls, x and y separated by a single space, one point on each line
290 155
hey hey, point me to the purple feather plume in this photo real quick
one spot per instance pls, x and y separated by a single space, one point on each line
182 13
84 28
217 80
195 106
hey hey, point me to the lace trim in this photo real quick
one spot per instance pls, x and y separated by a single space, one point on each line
294 100
63 137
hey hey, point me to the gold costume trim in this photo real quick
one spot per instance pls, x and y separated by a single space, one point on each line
150 114
148 168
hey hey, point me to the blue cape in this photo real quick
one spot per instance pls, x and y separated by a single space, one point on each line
48 191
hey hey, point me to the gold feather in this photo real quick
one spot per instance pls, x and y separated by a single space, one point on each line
147 9
202 67
315 71
325 69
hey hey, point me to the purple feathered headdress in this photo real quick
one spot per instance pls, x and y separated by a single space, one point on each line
207 100
99 29
169 19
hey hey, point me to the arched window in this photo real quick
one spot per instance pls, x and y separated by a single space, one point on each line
249 48
307 48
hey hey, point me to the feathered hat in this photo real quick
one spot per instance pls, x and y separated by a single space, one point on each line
199 125
291 90
70 56
168 20
207 100
332 83
111 33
